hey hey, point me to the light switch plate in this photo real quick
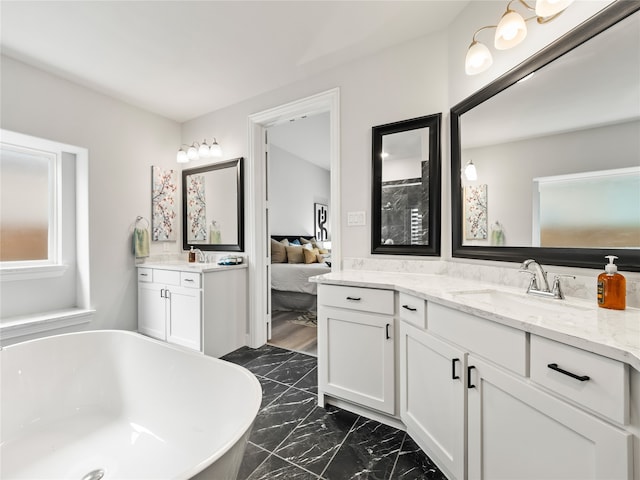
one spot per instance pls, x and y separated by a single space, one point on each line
356 219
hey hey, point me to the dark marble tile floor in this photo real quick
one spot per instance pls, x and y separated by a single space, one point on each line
293 438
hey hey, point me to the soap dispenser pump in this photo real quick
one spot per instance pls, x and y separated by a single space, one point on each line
192 255
612 287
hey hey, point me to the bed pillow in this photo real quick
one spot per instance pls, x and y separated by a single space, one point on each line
312 241
310 256
295 242
278 252
285 242
295 254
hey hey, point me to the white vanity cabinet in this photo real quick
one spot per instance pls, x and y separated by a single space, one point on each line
168 311
516 430
203 308
356 352
432 396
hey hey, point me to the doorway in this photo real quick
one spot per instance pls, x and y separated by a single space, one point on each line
299 199
260 321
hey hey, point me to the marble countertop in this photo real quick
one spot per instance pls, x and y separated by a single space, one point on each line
191 267
611 333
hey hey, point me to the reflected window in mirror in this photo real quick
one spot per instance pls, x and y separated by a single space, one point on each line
213 207
555 146
406 187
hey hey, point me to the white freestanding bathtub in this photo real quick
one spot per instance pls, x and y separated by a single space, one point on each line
118 405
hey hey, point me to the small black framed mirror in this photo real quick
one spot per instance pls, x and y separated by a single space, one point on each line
405 211
213 207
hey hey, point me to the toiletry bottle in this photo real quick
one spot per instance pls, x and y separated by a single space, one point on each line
192 255
612 287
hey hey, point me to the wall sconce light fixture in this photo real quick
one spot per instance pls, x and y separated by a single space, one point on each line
510 31
470 172
198 150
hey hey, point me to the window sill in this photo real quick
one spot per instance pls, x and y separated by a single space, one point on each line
22 325
10 274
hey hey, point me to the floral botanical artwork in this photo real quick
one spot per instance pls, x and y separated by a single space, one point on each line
196 208
475 212
163 204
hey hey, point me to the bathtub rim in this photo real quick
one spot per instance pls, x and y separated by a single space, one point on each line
230 443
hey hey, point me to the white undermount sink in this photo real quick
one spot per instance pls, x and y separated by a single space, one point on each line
520 302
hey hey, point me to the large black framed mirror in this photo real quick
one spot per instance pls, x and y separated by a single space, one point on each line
406 187
555 146
213 207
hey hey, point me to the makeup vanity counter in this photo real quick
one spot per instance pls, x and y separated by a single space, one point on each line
200 306
489 381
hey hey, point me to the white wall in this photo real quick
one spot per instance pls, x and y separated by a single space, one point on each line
123 143
294 186
399 83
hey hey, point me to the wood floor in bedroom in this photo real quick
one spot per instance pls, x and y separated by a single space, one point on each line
289 332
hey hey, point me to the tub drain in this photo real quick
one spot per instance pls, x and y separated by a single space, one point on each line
94 474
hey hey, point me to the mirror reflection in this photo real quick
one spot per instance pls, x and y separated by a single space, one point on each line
213 207
555 151
405 156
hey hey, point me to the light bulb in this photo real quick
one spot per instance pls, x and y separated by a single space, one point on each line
204 151
510 31
215 150
182 156
192 153
548 8
470 172
478 58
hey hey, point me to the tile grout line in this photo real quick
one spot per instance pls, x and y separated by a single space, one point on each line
355 422
395 463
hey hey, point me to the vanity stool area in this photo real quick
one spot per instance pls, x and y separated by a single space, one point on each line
201 306
490 383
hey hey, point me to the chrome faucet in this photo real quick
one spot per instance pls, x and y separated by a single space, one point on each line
542 288
199 255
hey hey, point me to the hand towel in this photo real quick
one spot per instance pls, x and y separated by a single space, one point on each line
140 242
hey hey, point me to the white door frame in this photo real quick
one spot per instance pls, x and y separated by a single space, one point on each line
258 242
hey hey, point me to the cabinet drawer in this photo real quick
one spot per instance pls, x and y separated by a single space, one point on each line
357 298
166 277
503 345
190 279
145 275
413 310
602 383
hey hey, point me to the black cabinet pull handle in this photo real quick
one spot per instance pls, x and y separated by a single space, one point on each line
469 376
554 366
387 330
453 369
355 299
411 309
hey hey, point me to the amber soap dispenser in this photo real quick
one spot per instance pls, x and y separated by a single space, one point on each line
612 287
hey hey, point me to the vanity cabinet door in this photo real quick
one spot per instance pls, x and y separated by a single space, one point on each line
432 392
516 430
184 322
356 357
152 310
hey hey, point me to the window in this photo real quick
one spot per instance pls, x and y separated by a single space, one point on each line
28 206
44 238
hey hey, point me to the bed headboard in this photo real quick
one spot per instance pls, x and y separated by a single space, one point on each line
279 238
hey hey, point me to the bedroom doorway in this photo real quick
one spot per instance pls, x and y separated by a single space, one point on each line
299 199
258 245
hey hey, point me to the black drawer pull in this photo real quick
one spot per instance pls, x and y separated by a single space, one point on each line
188 280
453 369
554 366
469 376
387 330
411 309
355 299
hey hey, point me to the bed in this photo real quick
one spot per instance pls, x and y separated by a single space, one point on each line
290 285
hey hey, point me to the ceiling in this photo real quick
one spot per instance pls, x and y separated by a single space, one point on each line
183 59
307 138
